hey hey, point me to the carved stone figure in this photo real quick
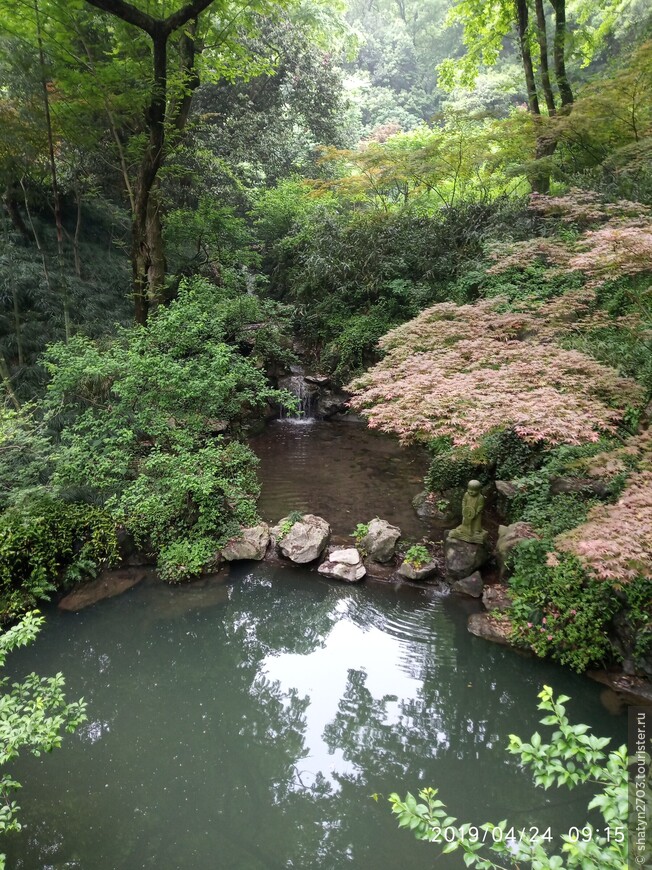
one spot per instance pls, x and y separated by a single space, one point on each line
471 529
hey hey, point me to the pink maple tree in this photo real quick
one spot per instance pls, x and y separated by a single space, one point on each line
615 542
464 372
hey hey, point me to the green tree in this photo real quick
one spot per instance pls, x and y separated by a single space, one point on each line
33 716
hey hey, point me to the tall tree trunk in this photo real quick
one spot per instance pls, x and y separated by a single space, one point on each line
539 177
75 238
157 267
5 376
147 257
39 246
18 328
526 56
53 173
13 211
565 91
142 254
542 39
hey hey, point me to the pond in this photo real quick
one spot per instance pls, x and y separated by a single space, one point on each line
245 721
246 724
340 471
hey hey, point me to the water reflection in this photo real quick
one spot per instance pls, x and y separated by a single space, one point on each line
250 730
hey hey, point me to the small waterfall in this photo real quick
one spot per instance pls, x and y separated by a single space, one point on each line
306 395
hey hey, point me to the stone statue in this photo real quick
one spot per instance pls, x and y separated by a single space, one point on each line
471 529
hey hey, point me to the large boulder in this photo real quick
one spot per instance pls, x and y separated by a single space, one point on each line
345 564
493 628
306 539
472 585
251 544
380 541
508 538
445 507
424 572
462 558
331 402
582 485
107 585
496 597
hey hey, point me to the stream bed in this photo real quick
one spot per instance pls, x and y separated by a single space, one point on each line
246 720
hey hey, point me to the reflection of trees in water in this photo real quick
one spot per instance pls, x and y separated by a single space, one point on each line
204 760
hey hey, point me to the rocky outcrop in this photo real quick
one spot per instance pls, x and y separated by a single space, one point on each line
380 541
445 507
496 597
345 564
305 541
251 544
506 491
331 402
488 627
462 558
425 572
632 689
508 538
585 486
107 585
472 585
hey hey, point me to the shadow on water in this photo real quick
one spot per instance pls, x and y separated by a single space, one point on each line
248 727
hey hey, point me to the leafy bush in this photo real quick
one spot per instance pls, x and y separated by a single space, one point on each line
451 469
360 532
47 544
142 420
286 526
557 610
417 555
573 756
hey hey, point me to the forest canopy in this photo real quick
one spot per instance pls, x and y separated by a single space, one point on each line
444 205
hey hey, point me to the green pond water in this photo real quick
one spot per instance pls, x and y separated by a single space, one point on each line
245 722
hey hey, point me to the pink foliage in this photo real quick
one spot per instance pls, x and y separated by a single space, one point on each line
615 543
463 372
585 206
614 251
622 245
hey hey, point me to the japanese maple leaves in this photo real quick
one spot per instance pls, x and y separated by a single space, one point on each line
463 372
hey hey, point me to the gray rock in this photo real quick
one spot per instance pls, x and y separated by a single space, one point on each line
318 380
506 488
508 538
380 541
444 507
252 544
496 597
348 556
496 629
348 573
305 541
462 558
107 585
331 403
345 564
584 485
472 585
408 571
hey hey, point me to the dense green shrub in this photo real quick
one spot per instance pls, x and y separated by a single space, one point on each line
146 422
557 610
48 544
